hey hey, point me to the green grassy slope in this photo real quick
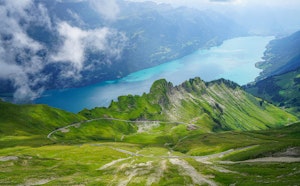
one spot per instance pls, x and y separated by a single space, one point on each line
214 106
154 139
168 114
24 124
128 164
282 90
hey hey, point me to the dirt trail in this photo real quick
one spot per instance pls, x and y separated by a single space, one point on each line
156 176
65 128
265 159
192 172
208 158
112 163
126 151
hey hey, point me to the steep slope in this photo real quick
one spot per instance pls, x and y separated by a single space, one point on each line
282 55
161 138
282 90
213 106
25 124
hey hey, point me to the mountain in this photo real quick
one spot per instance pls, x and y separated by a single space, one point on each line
196 133
194 106
278 83
77 43
282 55
221 103
282 90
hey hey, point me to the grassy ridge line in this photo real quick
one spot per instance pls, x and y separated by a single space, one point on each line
217 106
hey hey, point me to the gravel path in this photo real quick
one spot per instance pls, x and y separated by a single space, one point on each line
192 172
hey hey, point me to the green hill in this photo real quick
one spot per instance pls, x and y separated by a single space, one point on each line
282 90
169 113
196 133
27 124
217 105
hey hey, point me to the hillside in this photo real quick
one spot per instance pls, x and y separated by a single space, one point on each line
282 55
222 102
242 158
169 113
173 135
282 90
29 124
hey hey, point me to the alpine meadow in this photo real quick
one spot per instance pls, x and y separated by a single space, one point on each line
158 92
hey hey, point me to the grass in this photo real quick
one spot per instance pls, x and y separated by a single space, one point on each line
215 106
282 90
268 141
30 124
136 153
76 164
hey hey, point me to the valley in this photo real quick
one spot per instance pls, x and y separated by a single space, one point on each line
234 60
172 135
120 163
154 93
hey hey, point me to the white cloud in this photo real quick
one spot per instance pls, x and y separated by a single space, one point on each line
76 17
20 62
16 46
204 4
76 43
107 8
73 47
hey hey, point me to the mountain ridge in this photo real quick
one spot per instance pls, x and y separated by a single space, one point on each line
182 134
193 98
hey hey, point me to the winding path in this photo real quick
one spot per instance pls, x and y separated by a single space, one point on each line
112 119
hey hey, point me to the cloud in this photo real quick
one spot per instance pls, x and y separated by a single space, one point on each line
78 42
21 61
109 9
76 17
204 4
221 1
72 50
18 51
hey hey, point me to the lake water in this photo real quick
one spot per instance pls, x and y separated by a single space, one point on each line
233 60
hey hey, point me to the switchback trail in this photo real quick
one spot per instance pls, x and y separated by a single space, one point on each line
65 128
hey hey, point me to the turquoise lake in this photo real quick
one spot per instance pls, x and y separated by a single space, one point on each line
234 60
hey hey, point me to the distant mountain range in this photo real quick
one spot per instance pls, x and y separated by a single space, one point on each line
279 81
76 43
211 133
282 55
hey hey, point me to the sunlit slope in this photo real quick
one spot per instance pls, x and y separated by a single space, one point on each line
282 90
117 163
25 123
213 106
